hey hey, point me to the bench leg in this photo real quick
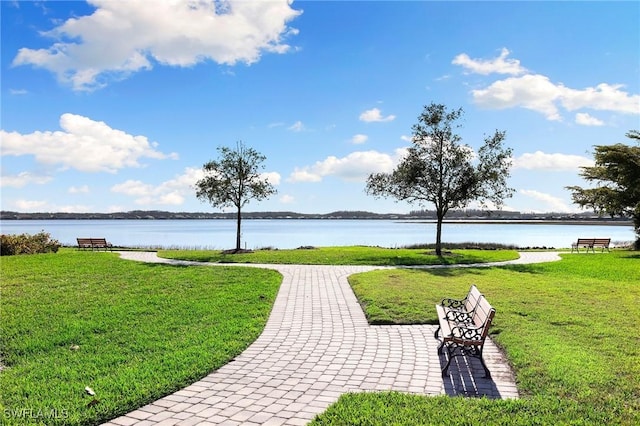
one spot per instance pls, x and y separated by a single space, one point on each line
475 352
449 356
487 373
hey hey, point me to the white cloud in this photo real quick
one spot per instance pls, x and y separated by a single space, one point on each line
287 199
585 119
174 191
304 175
171 192
84 189
147 194
551 162
23 179
133 188
354 167
359 139
75 208
499 65
538 93
273 178
120 38
29 205
84 144
535 92
298 126
116 209
18 92
603 97
44 206
552 203
375 115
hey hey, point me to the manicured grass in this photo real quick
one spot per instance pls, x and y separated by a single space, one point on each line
132 332
569 328
355 255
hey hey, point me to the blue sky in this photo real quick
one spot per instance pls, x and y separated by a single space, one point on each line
115 106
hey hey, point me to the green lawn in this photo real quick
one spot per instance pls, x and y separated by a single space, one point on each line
132 332
354 255
570 329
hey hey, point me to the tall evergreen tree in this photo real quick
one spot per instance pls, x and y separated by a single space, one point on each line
616 174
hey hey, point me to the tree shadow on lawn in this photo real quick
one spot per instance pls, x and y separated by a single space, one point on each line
170 265
634 256
461 270
449 259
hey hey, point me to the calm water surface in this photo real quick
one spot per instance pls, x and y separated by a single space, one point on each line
292 233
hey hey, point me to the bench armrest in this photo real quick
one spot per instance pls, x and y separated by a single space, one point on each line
469 332
453 303
458 316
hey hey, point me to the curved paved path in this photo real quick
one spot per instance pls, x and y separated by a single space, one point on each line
316 346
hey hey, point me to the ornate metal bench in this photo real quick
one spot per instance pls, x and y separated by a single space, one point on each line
464 326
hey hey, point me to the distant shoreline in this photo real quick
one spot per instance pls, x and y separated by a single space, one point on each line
460 217
529 222
577 222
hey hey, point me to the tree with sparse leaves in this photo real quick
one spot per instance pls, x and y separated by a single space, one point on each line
440 170
616 173
233 180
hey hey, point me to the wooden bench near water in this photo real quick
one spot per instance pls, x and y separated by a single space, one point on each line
93 244
591 244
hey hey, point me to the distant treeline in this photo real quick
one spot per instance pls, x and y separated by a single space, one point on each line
468 214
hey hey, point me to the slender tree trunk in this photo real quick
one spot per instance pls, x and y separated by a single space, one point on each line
636 224
439 235
239 220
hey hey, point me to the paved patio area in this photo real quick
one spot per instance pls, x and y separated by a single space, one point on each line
316 346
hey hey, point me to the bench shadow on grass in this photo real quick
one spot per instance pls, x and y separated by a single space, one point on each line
465 377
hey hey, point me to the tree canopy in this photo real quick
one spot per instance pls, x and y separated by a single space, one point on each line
440 170
616 174
233 180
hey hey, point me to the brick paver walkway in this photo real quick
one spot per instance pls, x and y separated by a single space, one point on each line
316 346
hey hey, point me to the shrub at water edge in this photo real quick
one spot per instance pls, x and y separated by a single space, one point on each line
41 242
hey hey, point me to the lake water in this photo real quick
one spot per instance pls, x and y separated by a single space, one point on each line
292 233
